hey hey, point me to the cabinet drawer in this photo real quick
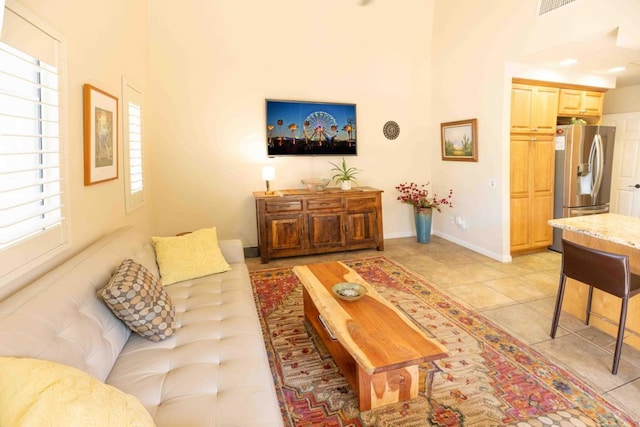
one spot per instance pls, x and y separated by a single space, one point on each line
324 203
283 205
361 203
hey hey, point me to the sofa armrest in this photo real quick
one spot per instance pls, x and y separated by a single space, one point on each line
232 250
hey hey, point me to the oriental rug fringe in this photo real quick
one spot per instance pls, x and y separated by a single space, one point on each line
489 378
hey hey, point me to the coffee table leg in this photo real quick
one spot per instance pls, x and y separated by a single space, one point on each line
384 388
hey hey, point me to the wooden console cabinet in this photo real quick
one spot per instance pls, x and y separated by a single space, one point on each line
302 222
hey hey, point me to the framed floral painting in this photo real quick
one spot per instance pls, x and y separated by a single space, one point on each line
460 140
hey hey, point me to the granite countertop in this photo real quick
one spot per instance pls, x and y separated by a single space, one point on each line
621 229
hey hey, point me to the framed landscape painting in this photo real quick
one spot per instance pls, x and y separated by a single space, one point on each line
460 140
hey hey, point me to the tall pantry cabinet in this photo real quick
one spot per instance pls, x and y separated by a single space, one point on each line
533 123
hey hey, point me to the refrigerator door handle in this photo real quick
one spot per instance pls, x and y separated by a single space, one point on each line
596 161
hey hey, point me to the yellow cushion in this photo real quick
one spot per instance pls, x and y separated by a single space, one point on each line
37 392
189 256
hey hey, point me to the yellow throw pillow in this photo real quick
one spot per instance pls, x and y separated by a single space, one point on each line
189 256
41 393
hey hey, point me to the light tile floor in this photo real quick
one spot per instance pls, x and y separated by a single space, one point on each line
519 297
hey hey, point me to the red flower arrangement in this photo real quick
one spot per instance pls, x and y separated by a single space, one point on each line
418 196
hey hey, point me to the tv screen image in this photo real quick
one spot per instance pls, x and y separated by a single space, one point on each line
310 128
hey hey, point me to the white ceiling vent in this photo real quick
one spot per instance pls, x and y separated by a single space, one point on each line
546 6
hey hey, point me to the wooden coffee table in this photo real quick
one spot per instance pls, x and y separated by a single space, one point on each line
377 348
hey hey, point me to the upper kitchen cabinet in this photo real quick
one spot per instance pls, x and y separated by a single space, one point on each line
574 102
533 109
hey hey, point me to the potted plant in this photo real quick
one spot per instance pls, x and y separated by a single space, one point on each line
344 174
423 205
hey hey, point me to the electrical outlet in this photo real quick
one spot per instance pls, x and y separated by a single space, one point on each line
460 221
492 183
451 220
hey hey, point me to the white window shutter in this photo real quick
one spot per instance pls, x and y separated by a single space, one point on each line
133 146
33 226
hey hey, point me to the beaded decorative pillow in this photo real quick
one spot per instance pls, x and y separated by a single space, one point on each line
137 298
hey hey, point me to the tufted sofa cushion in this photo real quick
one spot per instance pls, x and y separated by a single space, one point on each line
213 368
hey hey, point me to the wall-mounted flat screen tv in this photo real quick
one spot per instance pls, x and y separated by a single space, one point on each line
311 128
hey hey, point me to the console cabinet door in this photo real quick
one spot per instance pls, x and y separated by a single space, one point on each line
326 230
362 219
285 233
361 227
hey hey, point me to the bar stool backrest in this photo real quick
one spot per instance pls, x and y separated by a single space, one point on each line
603 270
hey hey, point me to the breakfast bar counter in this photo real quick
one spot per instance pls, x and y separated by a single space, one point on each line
613 233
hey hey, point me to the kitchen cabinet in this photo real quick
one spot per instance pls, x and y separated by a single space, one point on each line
576 103
532 182
302 222
533 108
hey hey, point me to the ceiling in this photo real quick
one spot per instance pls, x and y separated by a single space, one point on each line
595 56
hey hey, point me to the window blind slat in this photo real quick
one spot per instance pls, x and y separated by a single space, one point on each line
48 197
31 231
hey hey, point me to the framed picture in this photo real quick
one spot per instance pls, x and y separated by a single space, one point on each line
460 140
100 135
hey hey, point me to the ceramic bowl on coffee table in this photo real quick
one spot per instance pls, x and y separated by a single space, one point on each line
349 291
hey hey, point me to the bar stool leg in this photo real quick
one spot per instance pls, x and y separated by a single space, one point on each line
619 341
558 307
587 316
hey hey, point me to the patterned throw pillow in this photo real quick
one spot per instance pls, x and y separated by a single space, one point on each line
138 299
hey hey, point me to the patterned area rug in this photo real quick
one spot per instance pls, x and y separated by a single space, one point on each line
489 378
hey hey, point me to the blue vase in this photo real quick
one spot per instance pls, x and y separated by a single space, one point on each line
423 224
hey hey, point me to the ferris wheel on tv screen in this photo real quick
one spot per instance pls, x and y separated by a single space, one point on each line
322 126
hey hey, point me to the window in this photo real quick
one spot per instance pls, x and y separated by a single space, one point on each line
133 165
32 212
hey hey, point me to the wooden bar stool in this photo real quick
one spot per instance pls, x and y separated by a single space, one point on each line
598 269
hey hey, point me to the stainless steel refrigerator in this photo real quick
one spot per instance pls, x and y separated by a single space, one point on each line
584 157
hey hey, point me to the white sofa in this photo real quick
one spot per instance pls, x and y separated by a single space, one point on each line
213 371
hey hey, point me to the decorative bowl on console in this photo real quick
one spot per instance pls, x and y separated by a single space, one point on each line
316 184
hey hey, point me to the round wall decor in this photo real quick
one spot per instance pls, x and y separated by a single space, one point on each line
391 129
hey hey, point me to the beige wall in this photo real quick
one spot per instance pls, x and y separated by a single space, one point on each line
105 40
470 81
212 68
622 100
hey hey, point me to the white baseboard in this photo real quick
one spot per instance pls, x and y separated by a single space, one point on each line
483 251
